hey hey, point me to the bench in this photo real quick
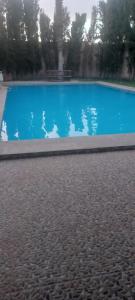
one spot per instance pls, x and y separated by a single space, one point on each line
59 75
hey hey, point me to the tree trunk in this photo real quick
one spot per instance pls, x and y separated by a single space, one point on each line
60 60
60 63
59 35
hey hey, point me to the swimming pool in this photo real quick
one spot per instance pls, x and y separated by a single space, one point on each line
56 111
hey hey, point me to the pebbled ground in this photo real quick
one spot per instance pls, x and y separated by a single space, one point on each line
67 228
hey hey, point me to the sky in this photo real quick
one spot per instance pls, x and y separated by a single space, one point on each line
81 6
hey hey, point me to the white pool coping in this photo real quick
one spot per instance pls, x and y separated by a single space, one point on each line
73 82
27 83
3 94
117 86
63 146
67 146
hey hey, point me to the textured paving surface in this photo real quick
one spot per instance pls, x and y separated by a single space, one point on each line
67 228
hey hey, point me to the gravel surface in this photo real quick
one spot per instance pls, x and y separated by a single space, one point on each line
67 228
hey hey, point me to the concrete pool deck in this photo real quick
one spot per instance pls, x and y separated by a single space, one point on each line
82 145
67 228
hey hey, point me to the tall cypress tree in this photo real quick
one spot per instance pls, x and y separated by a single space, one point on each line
47 41
77 33
16 36
58 20
114 32
31 13
3 37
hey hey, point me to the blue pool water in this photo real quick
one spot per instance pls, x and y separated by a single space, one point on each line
55 111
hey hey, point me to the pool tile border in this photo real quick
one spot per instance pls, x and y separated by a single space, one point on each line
26 83
67 146
103 83
116 86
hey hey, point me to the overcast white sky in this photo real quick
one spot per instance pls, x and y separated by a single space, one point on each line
81 6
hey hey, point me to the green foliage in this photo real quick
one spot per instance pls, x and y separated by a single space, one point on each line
47 41
77 36
31 11
93 28
58 21
110 59
114 25
15 19
30 41
3 36
61 31
16 35
19 43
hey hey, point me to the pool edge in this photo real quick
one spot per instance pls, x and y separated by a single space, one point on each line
72 82
116 86
67 146
3 95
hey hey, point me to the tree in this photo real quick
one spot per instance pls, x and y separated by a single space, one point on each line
64 33
93 28
3 36
31 13
15 19
113 32
22 51
15 35
47 41
77 35
58 21
66 24
131 39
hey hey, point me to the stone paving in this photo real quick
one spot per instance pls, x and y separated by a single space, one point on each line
67 228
